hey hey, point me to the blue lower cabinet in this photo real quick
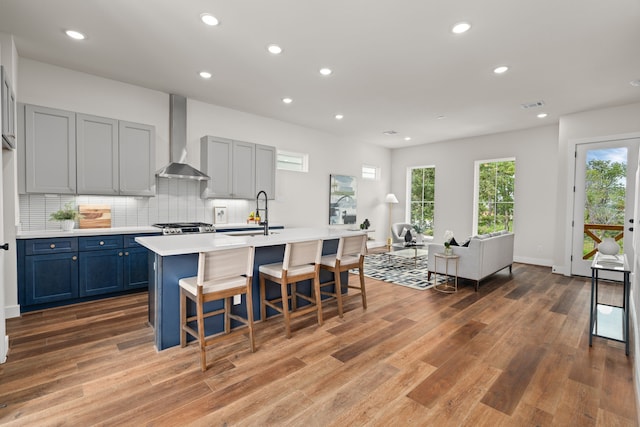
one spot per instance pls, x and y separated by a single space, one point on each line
136 268
50 278
59 271
101 272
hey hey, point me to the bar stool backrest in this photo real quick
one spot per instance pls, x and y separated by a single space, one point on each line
227 263
352 246
301 253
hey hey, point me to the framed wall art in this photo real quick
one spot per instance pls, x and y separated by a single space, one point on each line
219 215
342 199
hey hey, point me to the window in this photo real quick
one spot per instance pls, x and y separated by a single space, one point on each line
422 196
370 172
290 161
495 185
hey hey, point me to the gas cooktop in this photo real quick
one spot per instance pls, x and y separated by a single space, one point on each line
185 227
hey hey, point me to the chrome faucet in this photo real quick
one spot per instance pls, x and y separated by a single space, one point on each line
265 221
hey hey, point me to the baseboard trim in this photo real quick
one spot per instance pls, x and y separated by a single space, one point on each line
12 311
533 261
4 349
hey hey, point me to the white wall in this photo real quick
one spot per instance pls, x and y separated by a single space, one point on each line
535 192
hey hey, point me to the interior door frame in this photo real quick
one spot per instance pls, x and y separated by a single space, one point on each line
569 201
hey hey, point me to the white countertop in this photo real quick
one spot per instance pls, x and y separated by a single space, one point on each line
193 243
80 232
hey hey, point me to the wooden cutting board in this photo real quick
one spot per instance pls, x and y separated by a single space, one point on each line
95 216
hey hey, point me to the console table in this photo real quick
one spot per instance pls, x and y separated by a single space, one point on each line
606 320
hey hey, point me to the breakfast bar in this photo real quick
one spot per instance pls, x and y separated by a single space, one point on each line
174 257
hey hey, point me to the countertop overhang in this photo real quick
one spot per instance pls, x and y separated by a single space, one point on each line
80 232
193 243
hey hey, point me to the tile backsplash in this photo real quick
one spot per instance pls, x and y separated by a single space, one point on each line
175 200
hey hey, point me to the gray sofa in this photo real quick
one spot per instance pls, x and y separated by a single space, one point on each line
485 255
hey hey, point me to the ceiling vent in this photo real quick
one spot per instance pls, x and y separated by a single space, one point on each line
529 105
390 132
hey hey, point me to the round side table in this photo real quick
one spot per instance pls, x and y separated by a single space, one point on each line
445 286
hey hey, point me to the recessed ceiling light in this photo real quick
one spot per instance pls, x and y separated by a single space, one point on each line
407 138
209 19
287 100
325 71
461 27
339 117
635 83
441 117
501 69
75 34
274 49
542 115
205 74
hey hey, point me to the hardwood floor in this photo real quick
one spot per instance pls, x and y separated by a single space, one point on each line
516 353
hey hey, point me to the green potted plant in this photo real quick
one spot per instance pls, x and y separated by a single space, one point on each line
67 215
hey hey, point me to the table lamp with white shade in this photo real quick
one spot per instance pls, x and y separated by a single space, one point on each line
391 199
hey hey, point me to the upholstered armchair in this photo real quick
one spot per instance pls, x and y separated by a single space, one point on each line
397 234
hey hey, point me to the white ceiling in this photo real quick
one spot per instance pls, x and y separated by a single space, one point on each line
396 64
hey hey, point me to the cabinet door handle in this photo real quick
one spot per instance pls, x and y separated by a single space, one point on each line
101 243
74 257
52 246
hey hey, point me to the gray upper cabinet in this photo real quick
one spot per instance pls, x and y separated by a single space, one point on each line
243 170
50 139
238 169
137 159
8 108
62 152
265 170
97 155
216 161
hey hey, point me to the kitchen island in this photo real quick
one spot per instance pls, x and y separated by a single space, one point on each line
175 257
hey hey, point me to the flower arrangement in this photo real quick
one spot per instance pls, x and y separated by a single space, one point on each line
67 213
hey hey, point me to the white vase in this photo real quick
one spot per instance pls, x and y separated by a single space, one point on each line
68 224
608 246
419 238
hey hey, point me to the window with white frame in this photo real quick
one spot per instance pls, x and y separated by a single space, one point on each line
494 195
370 172
290 161
422 185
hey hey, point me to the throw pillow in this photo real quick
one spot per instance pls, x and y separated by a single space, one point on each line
466 243
453 242
407 236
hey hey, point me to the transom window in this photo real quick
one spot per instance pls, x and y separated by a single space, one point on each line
290 161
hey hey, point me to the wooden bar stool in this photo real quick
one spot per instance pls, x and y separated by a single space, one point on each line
301 262
221 275
350 255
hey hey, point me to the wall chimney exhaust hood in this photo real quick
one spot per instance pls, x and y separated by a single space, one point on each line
178 143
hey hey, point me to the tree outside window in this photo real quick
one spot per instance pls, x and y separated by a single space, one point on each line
495 201
422 197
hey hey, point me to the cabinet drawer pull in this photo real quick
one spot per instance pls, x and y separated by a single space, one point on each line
74 257
119 253
126 253
52 246
101 243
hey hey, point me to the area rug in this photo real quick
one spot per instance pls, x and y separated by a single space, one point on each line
398 270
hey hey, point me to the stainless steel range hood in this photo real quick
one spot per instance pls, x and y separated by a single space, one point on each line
178 144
